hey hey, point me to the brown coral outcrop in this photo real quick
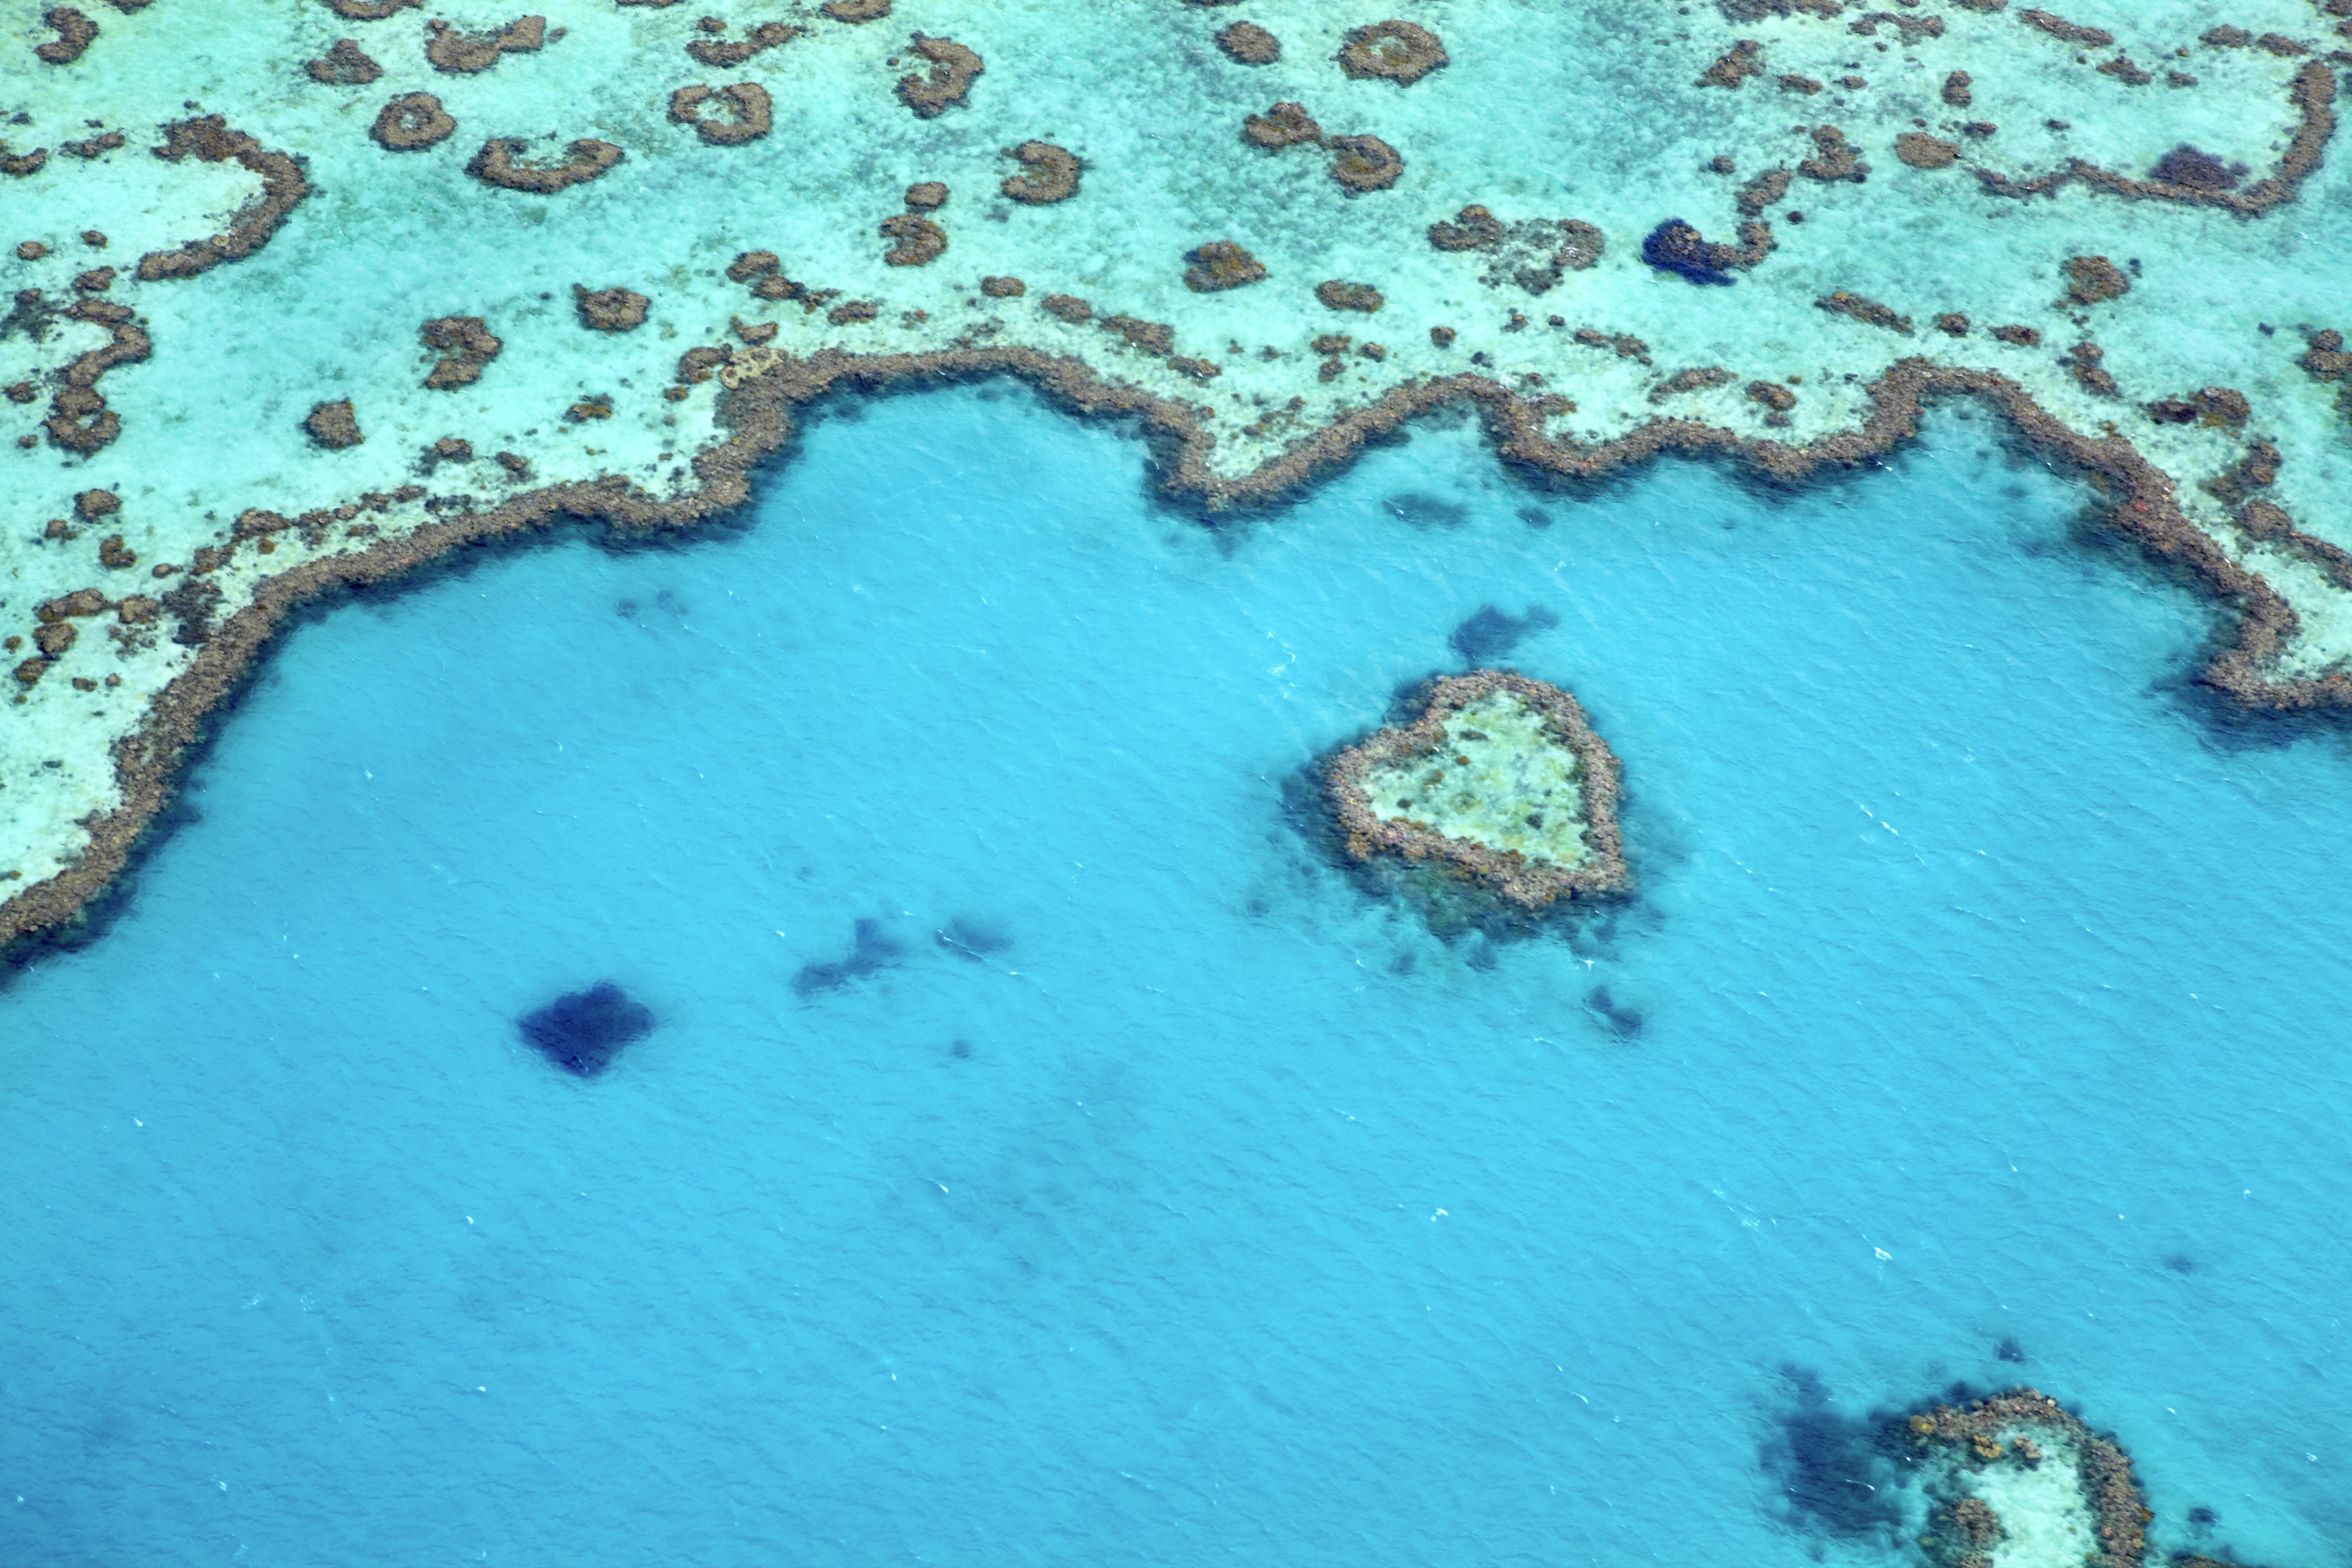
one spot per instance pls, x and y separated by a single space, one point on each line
1959 90
1152 337
1286 124
856 10
750 112
1221 265
1697 378
1742 60
1052 173
464 54
333 426
953 69
1765 190
411 123
1868 312
1362 163
1472 229
918 240
74 32
1335 295
345 65
1922 150
1401 52
500 163
927 196
609 310
720 54
370 10
2071 32
2093 278
1834 158
1069 308
2324 358
209 140
466 343
1246 43
80 421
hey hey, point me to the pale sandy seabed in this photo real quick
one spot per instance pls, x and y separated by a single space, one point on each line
1542 113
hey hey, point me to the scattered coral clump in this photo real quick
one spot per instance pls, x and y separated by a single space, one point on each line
1246 43
1221 265
918 240
333 424
1335 295
466 344
463 54
1052 173
609 310
2093 278
345 65
1362 163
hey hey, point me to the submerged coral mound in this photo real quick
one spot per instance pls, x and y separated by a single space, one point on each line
582 1031
1500 780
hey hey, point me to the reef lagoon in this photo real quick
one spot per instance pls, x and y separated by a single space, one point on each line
1152 1193
669 829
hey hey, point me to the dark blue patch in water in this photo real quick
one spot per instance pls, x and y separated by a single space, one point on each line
972 938
1676 247
870 949
1425 511
1829 1468
582 1031
1491 633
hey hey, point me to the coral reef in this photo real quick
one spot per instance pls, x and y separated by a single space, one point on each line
1051 173
499 163
80 421
412 121
1834 158
1286 124
609 310
2069 32
925 195
1220 265
953 69
345 64
856 10
1870 312
750 112
464 54
1401 52
918 240
370 10
1335 295
2093 278
75 33
720 55
466 344
1362 163
1922 150
1003 288
332 426
1246 43
1512 766
1697 378
1974 1436
208 140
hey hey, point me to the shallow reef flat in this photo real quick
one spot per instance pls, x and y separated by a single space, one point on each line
304 292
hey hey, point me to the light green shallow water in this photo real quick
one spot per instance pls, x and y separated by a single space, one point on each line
1498 780
1545 111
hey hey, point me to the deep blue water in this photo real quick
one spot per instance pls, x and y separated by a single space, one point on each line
1980 987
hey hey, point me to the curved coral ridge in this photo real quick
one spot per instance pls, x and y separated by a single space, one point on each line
2060 1492
2218 445
1499 777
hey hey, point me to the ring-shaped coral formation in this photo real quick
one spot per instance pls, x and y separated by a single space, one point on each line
750 112
1052 177
499 163
1362 163
1401 52
412 121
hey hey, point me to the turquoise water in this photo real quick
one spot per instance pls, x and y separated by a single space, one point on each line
1982 986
